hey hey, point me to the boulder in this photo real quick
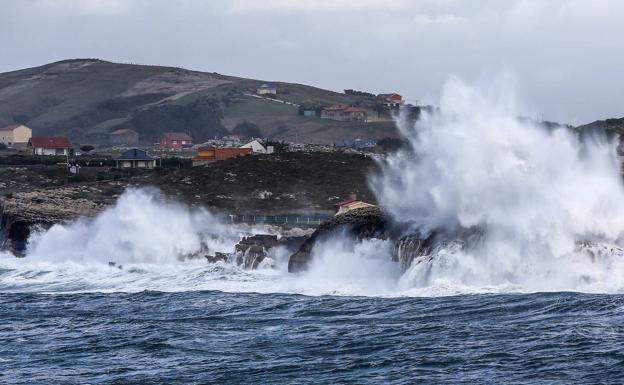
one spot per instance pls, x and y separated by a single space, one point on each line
250 251
216 258
415 246
363 223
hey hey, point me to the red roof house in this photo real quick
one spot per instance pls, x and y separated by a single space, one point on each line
50 145
343 112
391 100
175 140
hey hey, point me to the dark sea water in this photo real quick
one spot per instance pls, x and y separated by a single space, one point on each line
216 337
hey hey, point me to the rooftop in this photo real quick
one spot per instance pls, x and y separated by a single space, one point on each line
10 127
176 136
134 154
336 107
50 142
122 131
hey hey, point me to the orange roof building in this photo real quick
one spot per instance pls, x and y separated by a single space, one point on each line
206 155
343 112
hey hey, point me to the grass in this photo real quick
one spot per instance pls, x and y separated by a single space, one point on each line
80 97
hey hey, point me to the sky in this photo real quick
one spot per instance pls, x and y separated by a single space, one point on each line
566 56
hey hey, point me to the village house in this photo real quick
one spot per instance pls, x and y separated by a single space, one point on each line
258 148
266 89
50 145
391 100
135 158
15 135
124 137
206 155
175 141
351 204
343 113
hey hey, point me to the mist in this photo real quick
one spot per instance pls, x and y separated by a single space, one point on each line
536 193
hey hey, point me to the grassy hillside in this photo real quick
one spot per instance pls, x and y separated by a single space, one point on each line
88 98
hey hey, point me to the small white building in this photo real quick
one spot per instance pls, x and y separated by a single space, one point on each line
258 148
15 135
266 89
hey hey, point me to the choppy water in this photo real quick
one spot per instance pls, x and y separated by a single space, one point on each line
216 337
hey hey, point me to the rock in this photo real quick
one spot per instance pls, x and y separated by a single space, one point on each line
250 251
24 210
363 223
217 257
412 247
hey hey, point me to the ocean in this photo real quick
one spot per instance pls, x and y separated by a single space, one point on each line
198 323
201 337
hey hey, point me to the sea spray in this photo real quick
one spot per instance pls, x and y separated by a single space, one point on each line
143 226
536 193
352 267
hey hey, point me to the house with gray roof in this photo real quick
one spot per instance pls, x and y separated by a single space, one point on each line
135 158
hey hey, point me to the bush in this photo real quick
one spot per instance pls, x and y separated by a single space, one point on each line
247 129
86 148
358 93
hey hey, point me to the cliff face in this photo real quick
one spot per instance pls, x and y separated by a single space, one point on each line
410 246
368 222
22 211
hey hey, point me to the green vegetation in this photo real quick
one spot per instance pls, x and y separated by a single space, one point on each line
86 99
248 130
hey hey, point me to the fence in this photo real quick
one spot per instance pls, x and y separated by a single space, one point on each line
303 220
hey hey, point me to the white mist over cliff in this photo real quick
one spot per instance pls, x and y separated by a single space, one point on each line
536 192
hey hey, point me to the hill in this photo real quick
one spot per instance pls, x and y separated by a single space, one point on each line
86 99
607 127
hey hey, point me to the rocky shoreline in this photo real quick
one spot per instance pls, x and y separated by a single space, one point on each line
37 192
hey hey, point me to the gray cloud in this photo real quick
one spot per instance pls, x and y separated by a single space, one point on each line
566 54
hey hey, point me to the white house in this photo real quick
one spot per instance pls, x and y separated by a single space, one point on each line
258 148
50 145
266 89
15 135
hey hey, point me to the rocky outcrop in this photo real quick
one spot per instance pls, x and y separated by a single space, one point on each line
218 257
368 222
412 247
20 212
250 251
372 222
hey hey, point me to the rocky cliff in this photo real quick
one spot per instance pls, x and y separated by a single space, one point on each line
368 222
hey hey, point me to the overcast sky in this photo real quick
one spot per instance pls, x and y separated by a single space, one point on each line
567 55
